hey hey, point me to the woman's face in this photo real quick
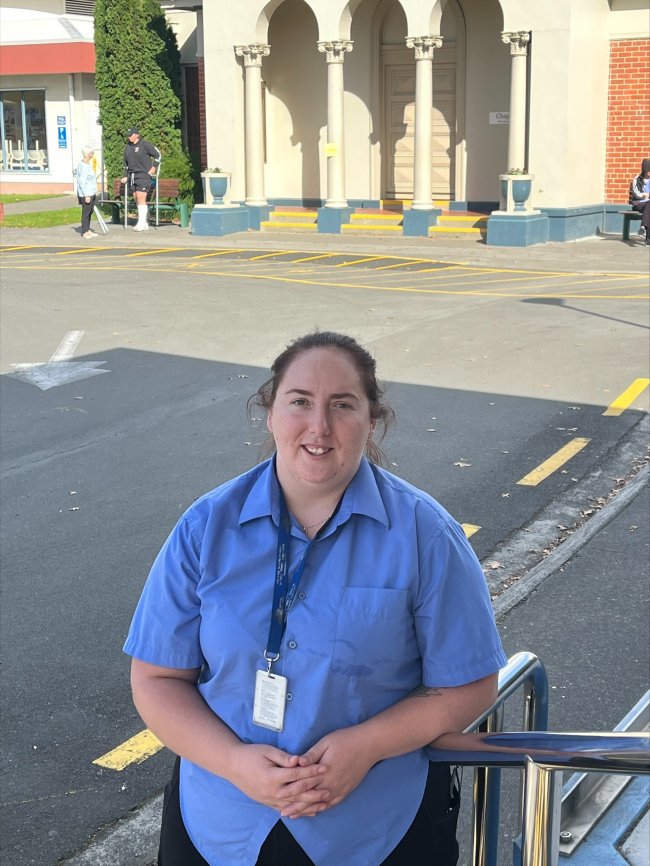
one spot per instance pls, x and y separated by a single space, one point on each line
320 421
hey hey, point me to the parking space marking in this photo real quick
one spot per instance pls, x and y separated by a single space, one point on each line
312 258
220 253
554 462
152 252
361 261
75 252
625 400
272 255
134 751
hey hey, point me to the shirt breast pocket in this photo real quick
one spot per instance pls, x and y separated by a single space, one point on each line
375 636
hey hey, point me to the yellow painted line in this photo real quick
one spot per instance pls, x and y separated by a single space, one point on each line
404 264
271 255
153 252
624 400
9 249
360 286
470 529
84 250
313 258
548 467
220 253
360 261
133 751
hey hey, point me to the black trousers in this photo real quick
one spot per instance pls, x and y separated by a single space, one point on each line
644 209
86 212
432 833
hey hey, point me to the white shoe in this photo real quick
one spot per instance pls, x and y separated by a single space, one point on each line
141 228
88 235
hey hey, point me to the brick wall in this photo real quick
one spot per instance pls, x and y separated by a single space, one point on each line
628 120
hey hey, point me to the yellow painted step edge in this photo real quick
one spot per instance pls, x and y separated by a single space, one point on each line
360 226
268 224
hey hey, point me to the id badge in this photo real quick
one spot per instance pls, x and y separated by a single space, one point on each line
270 700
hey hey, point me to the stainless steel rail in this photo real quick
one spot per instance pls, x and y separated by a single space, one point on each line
540 753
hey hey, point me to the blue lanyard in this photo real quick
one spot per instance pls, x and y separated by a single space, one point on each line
284 590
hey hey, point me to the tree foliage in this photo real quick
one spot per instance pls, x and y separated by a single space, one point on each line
138 80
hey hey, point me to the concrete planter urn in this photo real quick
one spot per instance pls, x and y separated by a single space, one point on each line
516 192
216 187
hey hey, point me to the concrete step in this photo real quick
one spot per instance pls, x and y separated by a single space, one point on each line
461 220
376 218
271 226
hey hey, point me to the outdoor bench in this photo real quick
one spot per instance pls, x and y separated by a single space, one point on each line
168 200
628 215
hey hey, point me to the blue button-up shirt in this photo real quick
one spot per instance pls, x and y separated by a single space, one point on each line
392 596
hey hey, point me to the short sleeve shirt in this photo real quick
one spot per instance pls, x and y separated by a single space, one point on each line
391 597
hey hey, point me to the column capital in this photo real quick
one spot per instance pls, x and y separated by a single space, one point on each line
252 54
517 40
335 51
424 45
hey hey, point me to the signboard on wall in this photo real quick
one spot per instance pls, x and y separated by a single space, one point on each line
62 131
499 117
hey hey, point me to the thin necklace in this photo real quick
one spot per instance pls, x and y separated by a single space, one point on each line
313 525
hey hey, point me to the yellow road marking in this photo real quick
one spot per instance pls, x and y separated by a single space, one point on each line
153 252
312 258
627 397
84 250
359 261
470 529
9 249
554 462
403 264
283 279
133 751
220 253
271 255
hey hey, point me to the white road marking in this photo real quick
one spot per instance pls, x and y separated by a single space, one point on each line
59 370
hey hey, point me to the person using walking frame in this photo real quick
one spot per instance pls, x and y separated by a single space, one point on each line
306 630
86 182
140 162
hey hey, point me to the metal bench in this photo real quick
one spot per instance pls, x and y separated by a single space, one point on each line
628 216
168 199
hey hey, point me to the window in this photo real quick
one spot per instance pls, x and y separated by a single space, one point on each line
22 125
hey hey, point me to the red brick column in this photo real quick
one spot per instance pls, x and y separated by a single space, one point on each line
628 119
202 135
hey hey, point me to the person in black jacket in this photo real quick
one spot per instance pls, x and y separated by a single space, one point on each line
140 159
640 198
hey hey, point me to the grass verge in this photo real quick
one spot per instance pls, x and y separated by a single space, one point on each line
13 197
43 219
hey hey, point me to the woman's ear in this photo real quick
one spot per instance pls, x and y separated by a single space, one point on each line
269 420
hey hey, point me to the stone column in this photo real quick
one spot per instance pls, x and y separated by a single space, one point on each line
254 127
334 54
424 47
518 42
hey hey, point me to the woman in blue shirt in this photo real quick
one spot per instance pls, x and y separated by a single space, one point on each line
305 631
86 180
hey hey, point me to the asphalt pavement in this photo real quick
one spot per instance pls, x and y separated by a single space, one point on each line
584 609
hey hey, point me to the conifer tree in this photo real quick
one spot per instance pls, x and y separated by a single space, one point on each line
137 75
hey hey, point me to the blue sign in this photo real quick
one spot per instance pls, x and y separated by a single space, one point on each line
63 138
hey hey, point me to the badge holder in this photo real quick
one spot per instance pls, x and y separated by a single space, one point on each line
270 697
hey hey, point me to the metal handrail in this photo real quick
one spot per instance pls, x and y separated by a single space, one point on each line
524 670
612 752
539 752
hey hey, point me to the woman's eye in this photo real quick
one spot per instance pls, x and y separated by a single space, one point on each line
299 401
342 405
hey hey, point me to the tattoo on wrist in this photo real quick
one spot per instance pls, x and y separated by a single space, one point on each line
425 692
